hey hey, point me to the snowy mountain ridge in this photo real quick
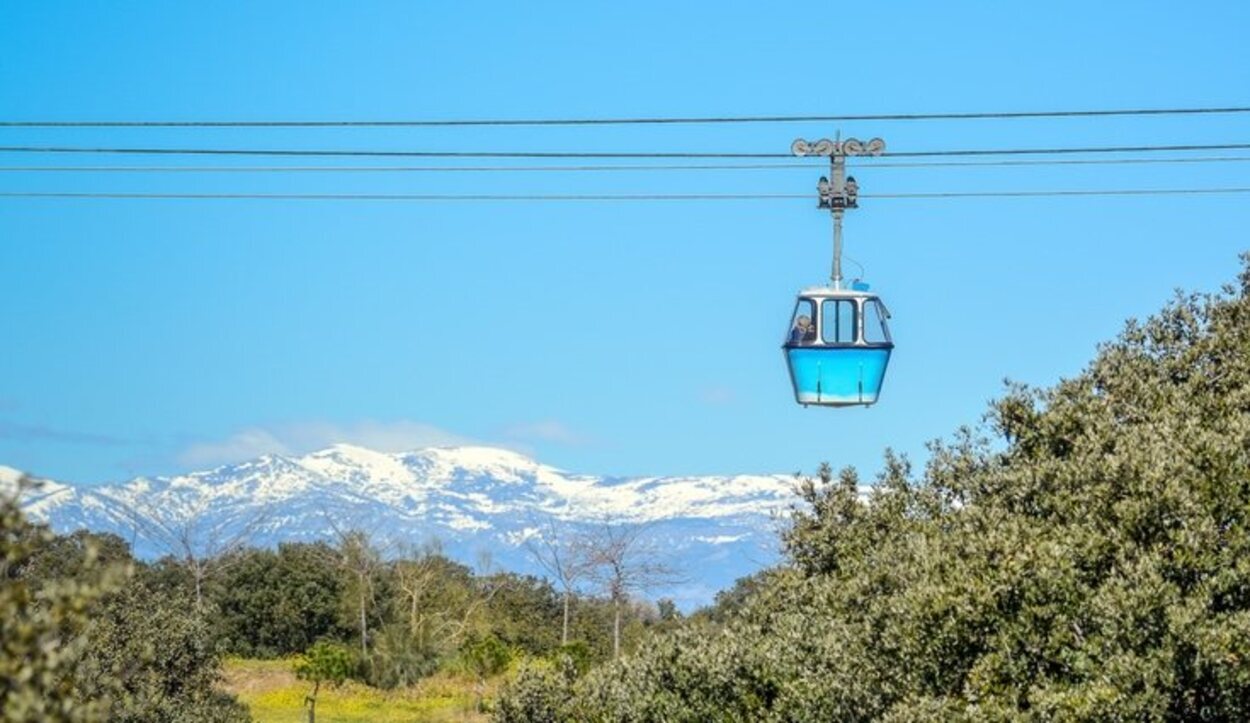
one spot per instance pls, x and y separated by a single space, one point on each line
470 499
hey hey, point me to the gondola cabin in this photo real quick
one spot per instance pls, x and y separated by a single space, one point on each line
838 346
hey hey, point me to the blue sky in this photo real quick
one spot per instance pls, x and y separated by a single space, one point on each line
147 337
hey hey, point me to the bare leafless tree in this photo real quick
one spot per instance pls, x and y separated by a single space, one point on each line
205 544
360 559
441 619
417 570
623 558
557 551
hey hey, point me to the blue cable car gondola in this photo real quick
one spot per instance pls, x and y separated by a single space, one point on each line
838 344
838 347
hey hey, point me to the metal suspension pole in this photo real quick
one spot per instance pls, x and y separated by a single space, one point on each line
843 193
836 278
838 163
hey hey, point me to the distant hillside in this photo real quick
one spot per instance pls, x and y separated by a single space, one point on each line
475 501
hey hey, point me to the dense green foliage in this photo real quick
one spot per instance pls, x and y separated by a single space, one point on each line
1084 554
277 602
156 634
421 611
89 635
405 614
157 658
42 624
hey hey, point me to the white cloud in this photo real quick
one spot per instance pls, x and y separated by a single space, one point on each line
247 444
301 438
399 436
545 431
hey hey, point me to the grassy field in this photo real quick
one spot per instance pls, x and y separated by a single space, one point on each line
274 695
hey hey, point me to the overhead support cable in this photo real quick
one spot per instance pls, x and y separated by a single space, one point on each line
1063 192
615 197
805 165
1076 150
375 153
1062 162
406 169
695 120
602 154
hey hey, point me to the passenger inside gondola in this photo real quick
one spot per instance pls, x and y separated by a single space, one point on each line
804 331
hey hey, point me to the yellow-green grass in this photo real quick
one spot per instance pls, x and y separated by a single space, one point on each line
274 695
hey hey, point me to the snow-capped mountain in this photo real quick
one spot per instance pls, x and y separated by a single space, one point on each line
472 500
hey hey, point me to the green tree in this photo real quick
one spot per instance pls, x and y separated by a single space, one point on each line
75 554
522 611
86 634
434 606
731 601
155 657
434 595
541 693
323 663
485 657
273 603
43 621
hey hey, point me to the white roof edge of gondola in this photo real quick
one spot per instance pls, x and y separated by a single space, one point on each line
829 291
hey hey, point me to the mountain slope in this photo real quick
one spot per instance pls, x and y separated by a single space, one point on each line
472 500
